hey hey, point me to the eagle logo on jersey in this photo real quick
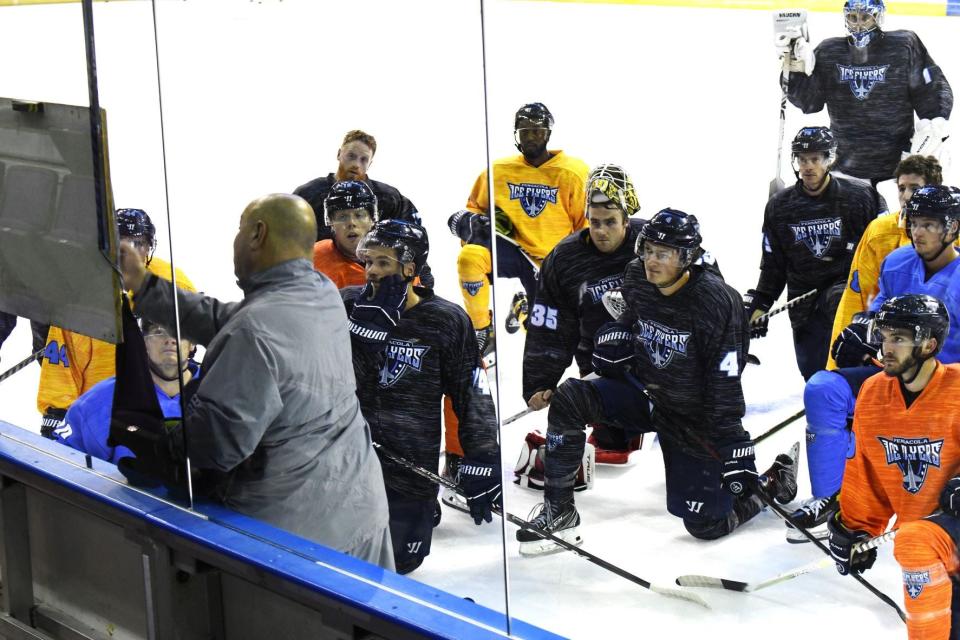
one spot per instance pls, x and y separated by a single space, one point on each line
533 197
597 288
400 355
817 234
661 342
913 582
913 456
862 80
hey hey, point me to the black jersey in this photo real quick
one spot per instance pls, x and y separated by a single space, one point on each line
691 350
809 241
871 94
390 202
432 352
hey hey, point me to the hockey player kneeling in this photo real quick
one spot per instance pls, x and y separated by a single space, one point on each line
671 364
410 348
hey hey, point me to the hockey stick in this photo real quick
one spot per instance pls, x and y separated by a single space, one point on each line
780 425
784 307
747 587
517 416
528 526
777 183
23 364
780 512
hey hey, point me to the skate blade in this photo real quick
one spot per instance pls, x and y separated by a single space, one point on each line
453 503
794 536
544 546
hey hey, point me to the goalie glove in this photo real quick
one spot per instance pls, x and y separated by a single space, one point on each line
802 57
851 348
929 137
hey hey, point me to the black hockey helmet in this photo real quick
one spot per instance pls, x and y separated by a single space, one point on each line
672 228
609 182
349 194
924 315
136 224
934 201
533 114
814 139
408 239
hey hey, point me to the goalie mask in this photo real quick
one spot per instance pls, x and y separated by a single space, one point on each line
610 183
863 20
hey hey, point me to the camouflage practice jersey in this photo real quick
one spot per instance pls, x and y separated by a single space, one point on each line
871 95
432 352
809 241
691 348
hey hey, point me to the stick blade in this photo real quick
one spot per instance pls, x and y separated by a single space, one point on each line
710 582
776 185
670 592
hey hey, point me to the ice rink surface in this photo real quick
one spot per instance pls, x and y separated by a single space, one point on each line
256 97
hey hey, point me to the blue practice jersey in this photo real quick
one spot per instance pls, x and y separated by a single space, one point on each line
88 421
902 272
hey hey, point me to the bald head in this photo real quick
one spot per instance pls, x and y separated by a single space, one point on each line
273 229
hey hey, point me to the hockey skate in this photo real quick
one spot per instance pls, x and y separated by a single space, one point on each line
563 525
486 342
519 309
449 497
780 480
813 515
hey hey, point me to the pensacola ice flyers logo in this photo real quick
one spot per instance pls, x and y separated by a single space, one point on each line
862 80
913 582
912 456
400 356
661 342
597 288
818 234
533 197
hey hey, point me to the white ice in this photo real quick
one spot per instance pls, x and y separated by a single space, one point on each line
255 99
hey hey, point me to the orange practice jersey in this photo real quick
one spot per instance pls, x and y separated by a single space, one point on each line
73 363
344 272
903 457
545 203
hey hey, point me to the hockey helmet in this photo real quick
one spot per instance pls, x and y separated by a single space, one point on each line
533 115
610 183
814 139
853 11
136 224
672 228
349 194
924 315
408 239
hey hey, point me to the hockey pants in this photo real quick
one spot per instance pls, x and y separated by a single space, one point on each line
927 553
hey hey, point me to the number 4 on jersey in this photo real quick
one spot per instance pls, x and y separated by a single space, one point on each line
56 354
730 365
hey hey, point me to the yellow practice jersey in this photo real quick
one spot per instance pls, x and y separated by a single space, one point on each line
73 363
545 203
881 237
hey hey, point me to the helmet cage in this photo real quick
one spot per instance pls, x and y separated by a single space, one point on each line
859 37
614 183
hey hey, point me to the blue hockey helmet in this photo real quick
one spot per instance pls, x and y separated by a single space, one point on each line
863 20
408 239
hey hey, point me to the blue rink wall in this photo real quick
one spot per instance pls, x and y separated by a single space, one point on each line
70 537
908 8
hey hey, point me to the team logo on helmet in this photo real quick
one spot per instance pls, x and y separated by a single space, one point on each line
472 287
661 342
401 355
533 197
862 80
818 234
913 582
597 288
913 456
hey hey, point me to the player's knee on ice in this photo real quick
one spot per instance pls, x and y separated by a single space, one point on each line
711 529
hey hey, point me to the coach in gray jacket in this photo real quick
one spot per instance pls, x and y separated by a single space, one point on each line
276 409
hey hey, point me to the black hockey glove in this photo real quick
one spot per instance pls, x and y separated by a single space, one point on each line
426 276
755 304
479 481
842 541
739 471
851 348
52 421
472 228
374 316
950 497
613 351
159 459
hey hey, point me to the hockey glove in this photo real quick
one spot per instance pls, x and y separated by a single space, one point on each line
755 304
851 348
159 460
503 223
929 136
53 420
472 228
480 483
804 59
613 352
375 315
950 497
842 541
739 474
426 277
